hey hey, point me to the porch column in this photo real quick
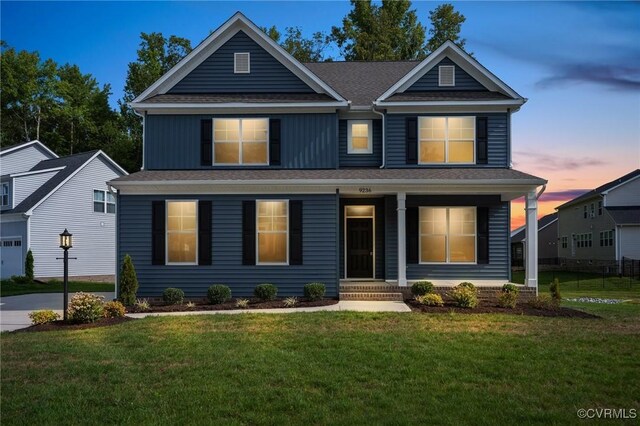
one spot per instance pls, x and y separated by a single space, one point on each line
531 240
402 240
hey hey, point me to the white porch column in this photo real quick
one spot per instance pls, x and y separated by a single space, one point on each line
402 240
531 240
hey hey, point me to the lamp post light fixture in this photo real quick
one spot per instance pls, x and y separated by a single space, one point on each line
66 242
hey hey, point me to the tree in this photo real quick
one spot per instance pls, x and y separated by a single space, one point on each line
446 24
303 49
28 265
390 31
128 282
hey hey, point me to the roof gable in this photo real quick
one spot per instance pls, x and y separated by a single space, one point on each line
22 157
602 189
463 81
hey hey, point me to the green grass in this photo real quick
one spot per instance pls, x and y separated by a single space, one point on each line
325 368
589 285
9 288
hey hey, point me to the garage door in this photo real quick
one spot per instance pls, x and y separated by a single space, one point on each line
11 257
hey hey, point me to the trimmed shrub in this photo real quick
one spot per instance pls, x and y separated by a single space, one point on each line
142 304
43 317
242 303
510 288
544 301
173 296
265 291
507 299
128 282
554 289
113 309
20 279
314 291
465 295
430 299
290 302
86 307
420 288
218 294
28 266
466 284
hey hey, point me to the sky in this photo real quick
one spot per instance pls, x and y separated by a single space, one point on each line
577 63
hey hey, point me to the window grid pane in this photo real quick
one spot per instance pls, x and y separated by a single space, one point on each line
181 231
272 229
360 137
240 141
446 139
447 235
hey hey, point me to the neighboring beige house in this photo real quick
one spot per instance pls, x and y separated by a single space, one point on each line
603 224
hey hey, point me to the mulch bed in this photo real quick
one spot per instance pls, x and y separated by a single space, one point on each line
61 325
253 304
488 308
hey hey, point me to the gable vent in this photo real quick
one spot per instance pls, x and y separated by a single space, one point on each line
447 75
241 63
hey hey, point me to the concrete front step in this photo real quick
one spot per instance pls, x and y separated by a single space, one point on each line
382 291
362 295
370 288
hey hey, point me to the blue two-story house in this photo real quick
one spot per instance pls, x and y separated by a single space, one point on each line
258 168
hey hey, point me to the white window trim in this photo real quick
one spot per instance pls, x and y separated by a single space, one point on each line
286 263
235 63
446 139
2 194
350 148
440 67
448 261
166 234
240 163
373 236
105 203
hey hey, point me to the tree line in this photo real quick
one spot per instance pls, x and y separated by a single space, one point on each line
69 110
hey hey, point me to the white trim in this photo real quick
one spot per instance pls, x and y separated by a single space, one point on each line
447 235
235 63
35 172
105 203
446 140
166 233
227 105
501 102
286 263
369 149
453 76
26 144
239 142
373 238
620 184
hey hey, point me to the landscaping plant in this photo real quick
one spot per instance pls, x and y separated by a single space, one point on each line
544 301
508 297
86 307
265 291
113 309
242 303
290 302
142 304
128 282
173 296
420 288
314 291
554 289
465 295
20 279
43 317
28 266
430 299
218 294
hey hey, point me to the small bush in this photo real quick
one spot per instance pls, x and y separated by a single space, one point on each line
218 293
128 282
20 279
114 309
43 317
420 288
172 296
242 303
314 291
507 299
465 295
554 289
290 302
466 284
265 291
28 266
86 307
544 301
430 299
190 305
142 304
510 288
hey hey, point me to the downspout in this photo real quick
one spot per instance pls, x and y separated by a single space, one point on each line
143 132
509 147
539 194
381 114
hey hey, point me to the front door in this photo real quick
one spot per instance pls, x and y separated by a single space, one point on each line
360 248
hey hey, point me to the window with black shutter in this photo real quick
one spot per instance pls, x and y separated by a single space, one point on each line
204 233
412 140
157 232
482 139
249 232
295 232
483 234
413 245
274 142
206 142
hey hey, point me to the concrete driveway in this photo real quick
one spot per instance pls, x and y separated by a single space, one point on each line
14 310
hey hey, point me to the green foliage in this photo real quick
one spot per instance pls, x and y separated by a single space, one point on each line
467 285
128 282
28 265
218 293
446 24
465 295
420 288
85 307
142 305
173 296
507 299
430 299
510 288
113 309
290 302
21 279
554 289
314 291
544 301
265 291
43 317
303 49
242 303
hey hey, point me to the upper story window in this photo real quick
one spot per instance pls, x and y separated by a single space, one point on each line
599 208
273 231
240 141
242 63
182 232
446 140
104 201
565 241
584 212
606 238
359 137
446 75
4 196
447 234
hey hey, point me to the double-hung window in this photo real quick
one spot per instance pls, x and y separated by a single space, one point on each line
565 241
104 201
182 232
446 140
238 141
273 231
360 137
448 234
4 197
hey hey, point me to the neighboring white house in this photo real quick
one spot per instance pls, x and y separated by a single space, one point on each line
41 195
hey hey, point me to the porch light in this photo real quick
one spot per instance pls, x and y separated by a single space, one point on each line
66 244
66 240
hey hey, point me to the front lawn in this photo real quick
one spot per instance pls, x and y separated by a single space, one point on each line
10 288
325 368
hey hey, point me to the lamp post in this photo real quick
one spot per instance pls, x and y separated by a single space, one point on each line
66 244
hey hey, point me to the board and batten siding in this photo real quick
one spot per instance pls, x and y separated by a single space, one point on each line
497 144
25 185
71 207
10 230
319 248
307 141
215 74
360 160
23 159
430 81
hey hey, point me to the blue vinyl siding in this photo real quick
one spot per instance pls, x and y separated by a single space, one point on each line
307 141
319 248
497 147
360 160
429 81
379 232
215 74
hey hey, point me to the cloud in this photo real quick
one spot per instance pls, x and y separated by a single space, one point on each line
555 163
565 195
612 76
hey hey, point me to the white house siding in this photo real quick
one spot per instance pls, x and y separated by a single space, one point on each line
630 241
625 195
12 230
24 186
71 207
22 160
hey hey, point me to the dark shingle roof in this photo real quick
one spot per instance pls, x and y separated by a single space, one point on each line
239 98
447 96
599 190
542 222
625 215
361 82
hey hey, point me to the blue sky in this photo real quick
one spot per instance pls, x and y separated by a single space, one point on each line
578 63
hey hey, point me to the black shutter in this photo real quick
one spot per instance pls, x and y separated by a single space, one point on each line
412 223
412 140
481 140
295 232
206 142
483 234
204 233
274 142
248 232
157 232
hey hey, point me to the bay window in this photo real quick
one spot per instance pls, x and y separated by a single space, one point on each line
182 232
272 231
447 235
240 141
446 140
